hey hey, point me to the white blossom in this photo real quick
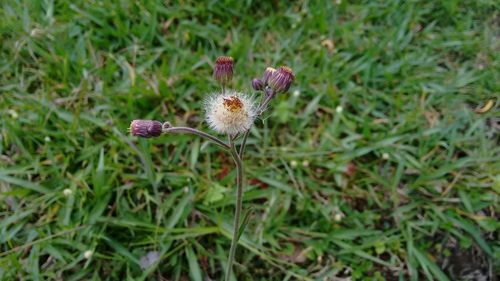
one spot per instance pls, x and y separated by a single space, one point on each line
230 113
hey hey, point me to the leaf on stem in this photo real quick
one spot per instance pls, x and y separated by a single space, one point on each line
244 222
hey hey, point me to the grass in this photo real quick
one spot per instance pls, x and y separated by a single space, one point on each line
375 167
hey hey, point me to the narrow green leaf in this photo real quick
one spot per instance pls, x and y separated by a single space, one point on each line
24 184
474 232
121 250
195 151
179 210
427 265
99 207
279 185
194 267
244 221
34 263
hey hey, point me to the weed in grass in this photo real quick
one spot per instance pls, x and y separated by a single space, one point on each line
389 124
232 114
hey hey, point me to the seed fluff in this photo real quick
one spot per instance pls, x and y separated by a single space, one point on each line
230 113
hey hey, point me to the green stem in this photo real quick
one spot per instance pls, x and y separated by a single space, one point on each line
198 133
260 110
244 142
239 203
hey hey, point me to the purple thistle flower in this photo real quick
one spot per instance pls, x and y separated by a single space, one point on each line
223 70
281 79
267 74
146 128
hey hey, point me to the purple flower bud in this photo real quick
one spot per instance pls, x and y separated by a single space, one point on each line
257 84
146 128
281 79
267 74
223 70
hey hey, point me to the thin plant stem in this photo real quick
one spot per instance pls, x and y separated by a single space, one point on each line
198 133
239 203
244 142
237 157
260 110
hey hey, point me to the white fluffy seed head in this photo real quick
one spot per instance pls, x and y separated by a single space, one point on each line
230 113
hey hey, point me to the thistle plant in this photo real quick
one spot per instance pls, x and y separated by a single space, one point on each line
230 113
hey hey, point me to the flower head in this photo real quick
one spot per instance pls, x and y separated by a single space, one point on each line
146 128
223 70
230 113
281 79
267 74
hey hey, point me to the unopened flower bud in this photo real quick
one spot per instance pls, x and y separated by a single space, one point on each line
88 254
337 217
267 74
146 128
223 70
281 79
257 84
67 192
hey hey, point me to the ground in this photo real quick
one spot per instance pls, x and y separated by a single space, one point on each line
380 163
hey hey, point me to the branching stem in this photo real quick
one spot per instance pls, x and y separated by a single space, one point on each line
260 110
198 133
239 203
237 157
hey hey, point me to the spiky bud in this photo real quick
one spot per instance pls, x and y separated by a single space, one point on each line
257 84
223 70
267 74
146 128
281 79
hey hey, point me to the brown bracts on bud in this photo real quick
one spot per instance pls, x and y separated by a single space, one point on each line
257 84
146 128
223 70
281 79
267 74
